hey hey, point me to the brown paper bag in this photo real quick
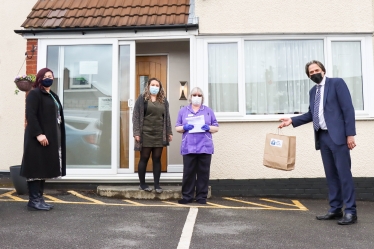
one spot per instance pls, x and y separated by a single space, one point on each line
280 151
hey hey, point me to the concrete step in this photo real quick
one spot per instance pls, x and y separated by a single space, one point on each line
133 192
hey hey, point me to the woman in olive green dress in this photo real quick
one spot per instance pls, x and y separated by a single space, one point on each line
152 130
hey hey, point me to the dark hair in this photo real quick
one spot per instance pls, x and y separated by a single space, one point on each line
40 76
318 63
160 95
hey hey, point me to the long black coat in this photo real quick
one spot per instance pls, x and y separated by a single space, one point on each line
43 161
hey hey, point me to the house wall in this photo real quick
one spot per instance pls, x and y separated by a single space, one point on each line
239 149
13 48
287 16
239 145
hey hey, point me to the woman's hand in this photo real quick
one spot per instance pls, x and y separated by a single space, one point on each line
42 140
188 127
170 138
137 138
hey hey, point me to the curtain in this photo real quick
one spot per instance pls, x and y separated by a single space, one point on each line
275 78
223 77
346 63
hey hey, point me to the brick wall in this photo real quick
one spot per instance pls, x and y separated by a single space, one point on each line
31 62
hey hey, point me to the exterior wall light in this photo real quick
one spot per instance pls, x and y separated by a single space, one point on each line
183 90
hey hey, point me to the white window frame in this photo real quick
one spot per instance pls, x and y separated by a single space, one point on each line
367 70
241 85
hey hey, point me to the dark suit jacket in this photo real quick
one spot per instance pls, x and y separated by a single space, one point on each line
338 111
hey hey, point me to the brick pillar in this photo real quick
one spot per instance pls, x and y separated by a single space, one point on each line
31 62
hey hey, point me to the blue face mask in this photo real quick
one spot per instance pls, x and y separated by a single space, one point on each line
154 90
47 82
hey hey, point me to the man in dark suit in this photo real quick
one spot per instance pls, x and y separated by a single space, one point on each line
333 116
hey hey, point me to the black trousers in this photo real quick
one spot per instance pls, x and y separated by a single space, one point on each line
196 168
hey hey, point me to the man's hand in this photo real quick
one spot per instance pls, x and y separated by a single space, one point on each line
285 122
351 142
137 138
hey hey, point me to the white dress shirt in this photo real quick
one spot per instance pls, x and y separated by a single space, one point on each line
322 122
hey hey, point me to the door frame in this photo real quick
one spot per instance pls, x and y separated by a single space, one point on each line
164 79
133 98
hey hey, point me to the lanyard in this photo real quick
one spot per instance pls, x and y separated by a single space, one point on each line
58 109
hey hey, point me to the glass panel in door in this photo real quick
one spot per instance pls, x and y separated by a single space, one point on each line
86 71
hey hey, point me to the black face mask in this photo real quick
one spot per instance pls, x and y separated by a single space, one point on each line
47 82
317 78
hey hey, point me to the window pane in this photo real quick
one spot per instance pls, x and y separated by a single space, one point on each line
223 77
87 84
275 79
346 63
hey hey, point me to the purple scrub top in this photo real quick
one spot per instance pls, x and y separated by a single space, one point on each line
201 142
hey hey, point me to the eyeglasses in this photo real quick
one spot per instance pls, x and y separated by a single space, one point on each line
197 95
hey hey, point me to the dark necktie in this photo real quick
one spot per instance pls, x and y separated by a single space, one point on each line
316 108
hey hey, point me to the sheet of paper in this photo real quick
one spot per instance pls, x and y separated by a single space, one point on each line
197 122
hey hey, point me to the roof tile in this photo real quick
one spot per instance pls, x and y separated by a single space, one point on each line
107 13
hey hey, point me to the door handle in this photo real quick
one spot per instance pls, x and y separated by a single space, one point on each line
130 103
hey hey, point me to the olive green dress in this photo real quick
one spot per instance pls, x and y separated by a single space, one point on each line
153 124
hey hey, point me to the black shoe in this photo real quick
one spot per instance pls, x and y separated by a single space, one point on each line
145 188
201 201
159 190
330 216
184 201
46 204
348 219
36 205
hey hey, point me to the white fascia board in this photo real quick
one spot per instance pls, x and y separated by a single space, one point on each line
128 35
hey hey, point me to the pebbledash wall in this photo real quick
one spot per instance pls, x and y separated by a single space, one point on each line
237 168
13 48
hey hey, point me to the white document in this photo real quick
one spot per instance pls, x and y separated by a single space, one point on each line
197 122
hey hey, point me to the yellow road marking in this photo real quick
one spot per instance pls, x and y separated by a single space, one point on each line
155 205
9 194
299 205
216 205
54 199
174 204
85 197
134 202
296 203
248 202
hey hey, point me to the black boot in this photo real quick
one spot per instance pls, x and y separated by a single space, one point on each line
41 191
34 203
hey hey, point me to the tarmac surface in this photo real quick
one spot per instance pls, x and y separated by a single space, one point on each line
85 220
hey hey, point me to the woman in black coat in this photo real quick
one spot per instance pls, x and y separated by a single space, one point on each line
44 153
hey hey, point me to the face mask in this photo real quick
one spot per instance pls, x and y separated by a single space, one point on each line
47 82
196 100
154 90
317 78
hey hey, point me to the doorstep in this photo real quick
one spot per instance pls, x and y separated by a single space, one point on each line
133 192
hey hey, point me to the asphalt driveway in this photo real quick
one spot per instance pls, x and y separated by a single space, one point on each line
85 220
